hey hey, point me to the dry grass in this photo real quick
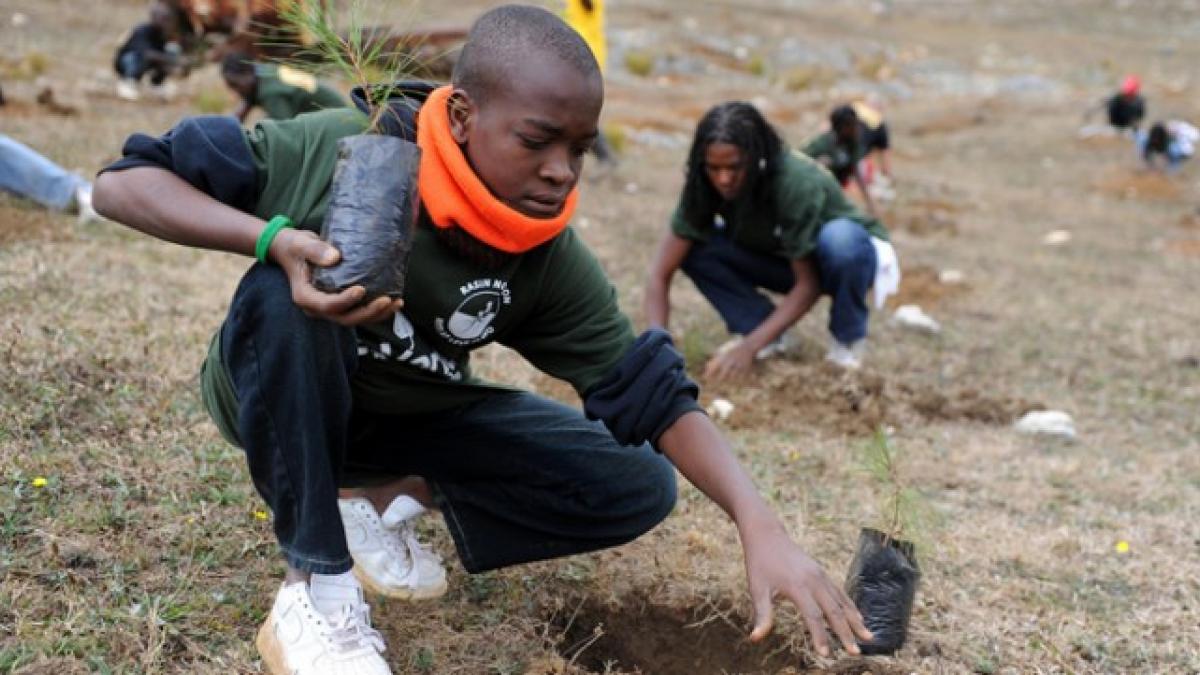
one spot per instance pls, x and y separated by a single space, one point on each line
143 552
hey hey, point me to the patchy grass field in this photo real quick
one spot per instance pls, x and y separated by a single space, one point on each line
146 550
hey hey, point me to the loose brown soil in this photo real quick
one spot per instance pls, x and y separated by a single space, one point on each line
1141 185
632 636
790 395
920 285
950 123
924 216
1185 247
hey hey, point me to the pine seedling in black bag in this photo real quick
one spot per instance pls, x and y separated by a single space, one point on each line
373 200
883 576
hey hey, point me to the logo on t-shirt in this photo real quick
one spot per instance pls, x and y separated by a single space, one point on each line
471 321
406 346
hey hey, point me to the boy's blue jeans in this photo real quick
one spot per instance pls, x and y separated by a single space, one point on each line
517 477
28 174
133 66
729 276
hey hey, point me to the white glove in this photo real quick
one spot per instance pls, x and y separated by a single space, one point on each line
887 271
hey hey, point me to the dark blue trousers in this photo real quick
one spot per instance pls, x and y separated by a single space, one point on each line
133 66
730 277
517 477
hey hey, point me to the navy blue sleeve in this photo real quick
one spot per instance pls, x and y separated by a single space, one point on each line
880 139
646 393
210 152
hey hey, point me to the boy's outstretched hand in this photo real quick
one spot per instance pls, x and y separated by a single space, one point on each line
776 566
293 251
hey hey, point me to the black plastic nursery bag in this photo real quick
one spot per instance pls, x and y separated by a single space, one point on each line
882 582
372 212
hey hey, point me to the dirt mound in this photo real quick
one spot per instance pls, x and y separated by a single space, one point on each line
1132 184
812 393
636 637
920 285
949 123
1103 140
924 216
967 404
1184 247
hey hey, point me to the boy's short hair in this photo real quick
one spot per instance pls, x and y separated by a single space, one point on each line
842 116
237 64
505 37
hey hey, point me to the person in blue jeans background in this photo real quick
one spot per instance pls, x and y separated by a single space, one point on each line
756 215
148 51
26 173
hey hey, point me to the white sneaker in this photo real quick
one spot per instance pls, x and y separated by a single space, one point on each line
388 559
83 205
296 639
847 357
164 92
127 90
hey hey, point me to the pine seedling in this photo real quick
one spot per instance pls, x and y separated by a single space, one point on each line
362 52
901 508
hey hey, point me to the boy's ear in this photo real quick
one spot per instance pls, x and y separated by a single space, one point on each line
462 115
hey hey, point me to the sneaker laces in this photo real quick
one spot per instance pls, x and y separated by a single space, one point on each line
401 539
407 533
350 630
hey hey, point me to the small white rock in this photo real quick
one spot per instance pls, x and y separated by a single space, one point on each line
631 188
19 20
950 277
1047 422
912 316
1056 238
720 409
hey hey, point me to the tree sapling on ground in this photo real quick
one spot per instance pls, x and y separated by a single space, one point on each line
883 576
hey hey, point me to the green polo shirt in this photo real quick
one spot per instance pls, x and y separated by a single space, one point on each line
841 160
804 197
285 92
553 305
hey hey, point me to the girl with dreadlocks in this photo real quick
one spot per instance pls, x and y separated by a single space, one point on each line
755 215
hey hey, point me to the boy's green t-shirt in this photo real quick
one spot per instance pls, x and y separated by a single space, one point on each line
805 197
842 160
285 92
553 305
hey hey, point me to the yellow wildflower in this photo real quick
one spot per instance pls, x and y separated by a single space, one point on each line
1122 546
40 482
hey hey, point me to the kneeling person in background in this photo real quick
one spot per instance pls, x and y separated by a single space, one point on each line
754 214
281 91
147 52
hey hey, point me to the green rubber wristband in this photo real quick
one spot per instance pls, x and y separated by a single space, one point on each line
263 245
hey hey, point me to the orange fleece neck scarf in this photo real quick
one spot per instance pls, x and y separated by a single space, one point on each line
453 194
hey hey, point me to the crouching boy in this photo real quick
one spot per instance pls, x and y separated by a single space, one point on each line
319 388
